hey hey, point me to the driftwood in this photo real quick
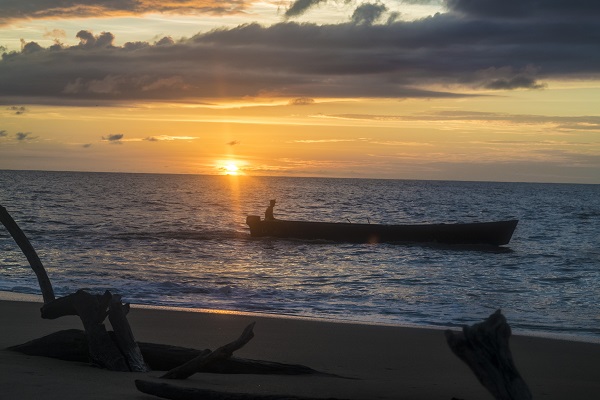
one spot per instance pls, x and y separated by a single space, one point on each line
224 352
121 354
117 315
160 357
166 391
484 348
36 265
117 351
71 345
103 350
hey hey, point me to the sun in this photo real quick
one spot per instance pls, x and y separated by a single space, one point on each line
231 168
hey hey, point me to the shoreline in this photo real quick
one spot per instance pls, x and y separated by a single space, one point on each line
369 361
24 297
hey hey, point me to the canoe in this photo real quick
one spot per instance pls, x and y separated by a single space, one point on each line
496 233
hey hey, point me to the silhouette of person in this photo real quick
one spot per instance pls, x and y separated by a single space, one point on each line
269 212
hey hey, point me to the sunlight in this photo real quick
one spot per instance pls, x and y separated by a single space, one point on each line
230 168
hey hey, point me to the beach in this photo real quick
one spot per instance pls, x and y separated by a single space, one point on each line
369 361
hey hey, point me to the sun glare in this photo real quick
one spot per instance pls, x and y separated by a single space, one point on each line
230 168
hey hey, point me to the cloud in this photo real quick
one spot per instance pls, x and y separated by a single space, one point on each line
17 110
299 7
23 136
516 82
465 49
233 143
88 40
522 9
3 133
55 34
114 138
30 47
86 145
53 9
302 101
368 13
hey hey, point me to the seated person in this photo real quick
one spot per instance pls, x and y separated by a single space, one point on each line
269 212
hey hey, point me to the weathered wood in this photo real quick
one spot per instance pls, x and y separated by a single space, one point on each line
124 336
167 391
236 365
191 367
484 348
71 345
27 249
59 307
102 349
67 345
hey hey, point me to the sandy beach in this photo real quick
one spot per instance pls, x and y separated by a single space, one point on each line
372 362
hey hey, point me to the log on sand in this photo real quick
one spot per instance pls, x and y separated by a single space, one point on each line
71 345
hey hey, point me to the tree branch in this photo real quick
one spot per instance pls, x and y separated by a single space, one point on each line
27 249
191 367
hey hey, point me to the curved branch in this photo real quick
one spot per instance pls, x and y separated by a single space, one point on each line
32 257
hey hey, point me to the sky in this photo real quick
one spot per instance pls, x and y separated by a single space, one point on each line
484 90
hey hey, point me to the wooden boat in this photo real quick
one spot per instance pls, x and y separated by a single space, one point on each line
491 233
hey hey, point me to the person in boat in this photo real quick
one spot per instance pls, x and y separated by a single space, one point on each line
269 212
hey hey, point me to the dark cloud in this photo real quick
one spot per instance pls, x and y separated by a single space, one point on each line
23 136
17 110
88 40
525 8
368 13
517 82
114 138
167 40
302 101
299 7
396 60
30 47
233 143
87 145
47 9
3 133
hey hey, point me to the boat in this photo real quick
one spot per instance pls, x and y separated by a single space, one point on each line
495 233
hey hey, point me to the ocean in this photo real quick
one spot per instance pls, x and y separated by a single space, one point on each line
182 241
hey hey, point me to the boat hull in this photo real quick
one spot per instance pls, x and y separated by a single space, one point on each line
491 233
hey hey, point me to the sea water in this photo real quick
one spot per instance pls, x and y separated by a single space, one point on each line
181 241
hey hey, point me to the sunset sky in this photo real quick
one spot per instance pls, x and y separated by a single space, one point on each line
412 89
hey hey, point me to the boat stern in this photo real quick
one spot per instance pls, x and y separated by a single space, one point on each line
253 221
